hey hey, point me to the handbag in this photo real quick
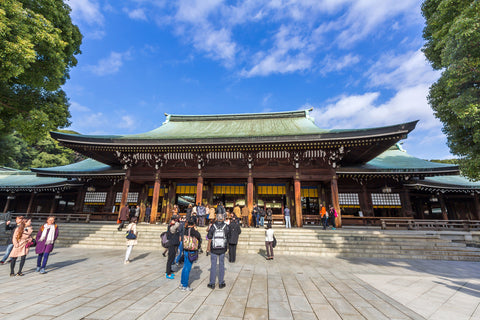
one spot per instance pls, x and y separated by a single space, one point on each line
131 235
274 244
31 243
192 256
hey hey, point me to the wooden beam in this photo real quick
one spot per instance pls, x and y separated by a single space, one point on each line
443 207
477 204
250 192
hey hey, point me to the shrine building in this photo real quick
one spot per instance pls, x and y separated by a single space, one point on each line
275 160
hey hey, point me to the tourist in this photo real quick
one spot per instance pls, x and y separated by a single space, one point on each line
132 226
21 236
235 231
255 216
173 242
211 214
245 216
220 209
269 215
137 211
201 213
324 217
237 211
46 237
217 246
269 241
8 227
132 212
123 216
148 212
189 211
333 215
286 214
261 214
190 253
181 229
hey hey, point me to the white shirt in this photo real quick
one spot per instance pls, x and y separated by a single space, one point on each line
269 235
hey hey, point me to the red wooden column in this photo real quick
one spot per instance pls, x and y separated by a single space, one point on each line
298 200
250 194
126 188
30 202
155 196
199 188
443 207
335 202
406 204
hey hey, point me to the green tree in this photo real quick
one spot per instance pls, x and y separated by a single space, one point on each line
46 152
452 35
38 44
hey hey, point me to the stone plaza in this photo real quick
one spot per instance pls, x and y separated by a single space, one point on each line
95 284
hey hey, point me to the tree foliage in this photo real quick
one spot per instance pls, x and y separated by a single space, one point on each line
46 152
38 44
452 35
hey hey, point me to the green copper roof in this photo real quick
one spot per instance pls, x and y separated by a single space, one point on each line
231 126
459 181
396 159
88 165
26 179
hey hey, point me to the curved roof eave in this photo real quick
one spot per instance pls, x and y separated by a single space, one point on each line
276 130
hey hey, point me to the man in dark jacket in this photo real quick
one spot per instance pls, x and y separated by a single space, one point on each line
218 236
235 231
9 226
123 217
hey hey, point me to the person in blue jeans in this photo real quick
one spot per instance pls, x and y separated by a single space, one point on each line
10 226
191 231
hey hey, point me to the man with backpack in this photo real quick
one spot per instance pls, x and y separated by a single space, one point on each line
218 236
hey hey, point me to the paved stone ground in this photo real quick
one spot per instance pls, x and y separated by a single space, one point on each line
95 284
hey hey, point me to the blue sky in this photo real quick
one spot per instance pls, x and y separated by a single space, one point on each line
357 63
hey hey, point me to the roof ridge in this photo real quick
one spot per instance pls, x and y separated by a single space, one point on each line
238 116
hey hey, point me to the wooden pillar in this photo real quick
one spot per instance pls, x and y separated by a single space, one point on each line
249 202
125 190
366 203
298 200
5 209
172 190
477 205
53 207
109 200
79 203
442 206
30 202
155 197
335 201
199 188
406 204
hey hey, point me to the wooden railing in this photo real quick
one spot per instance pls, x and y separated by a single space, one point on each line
59 217
367 221
438 225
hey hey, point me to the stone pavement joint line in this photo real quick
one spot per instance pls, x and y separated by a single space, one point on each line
95 284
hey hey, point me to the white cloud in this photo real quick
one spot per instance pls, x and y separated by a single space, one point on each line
336 64
111 64
136 14
361 111
217 43
88 122
126 122
289 54
86 11
77 107
405 70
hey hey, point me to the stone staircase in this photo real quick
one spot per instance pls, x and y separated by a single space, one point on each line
307 241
